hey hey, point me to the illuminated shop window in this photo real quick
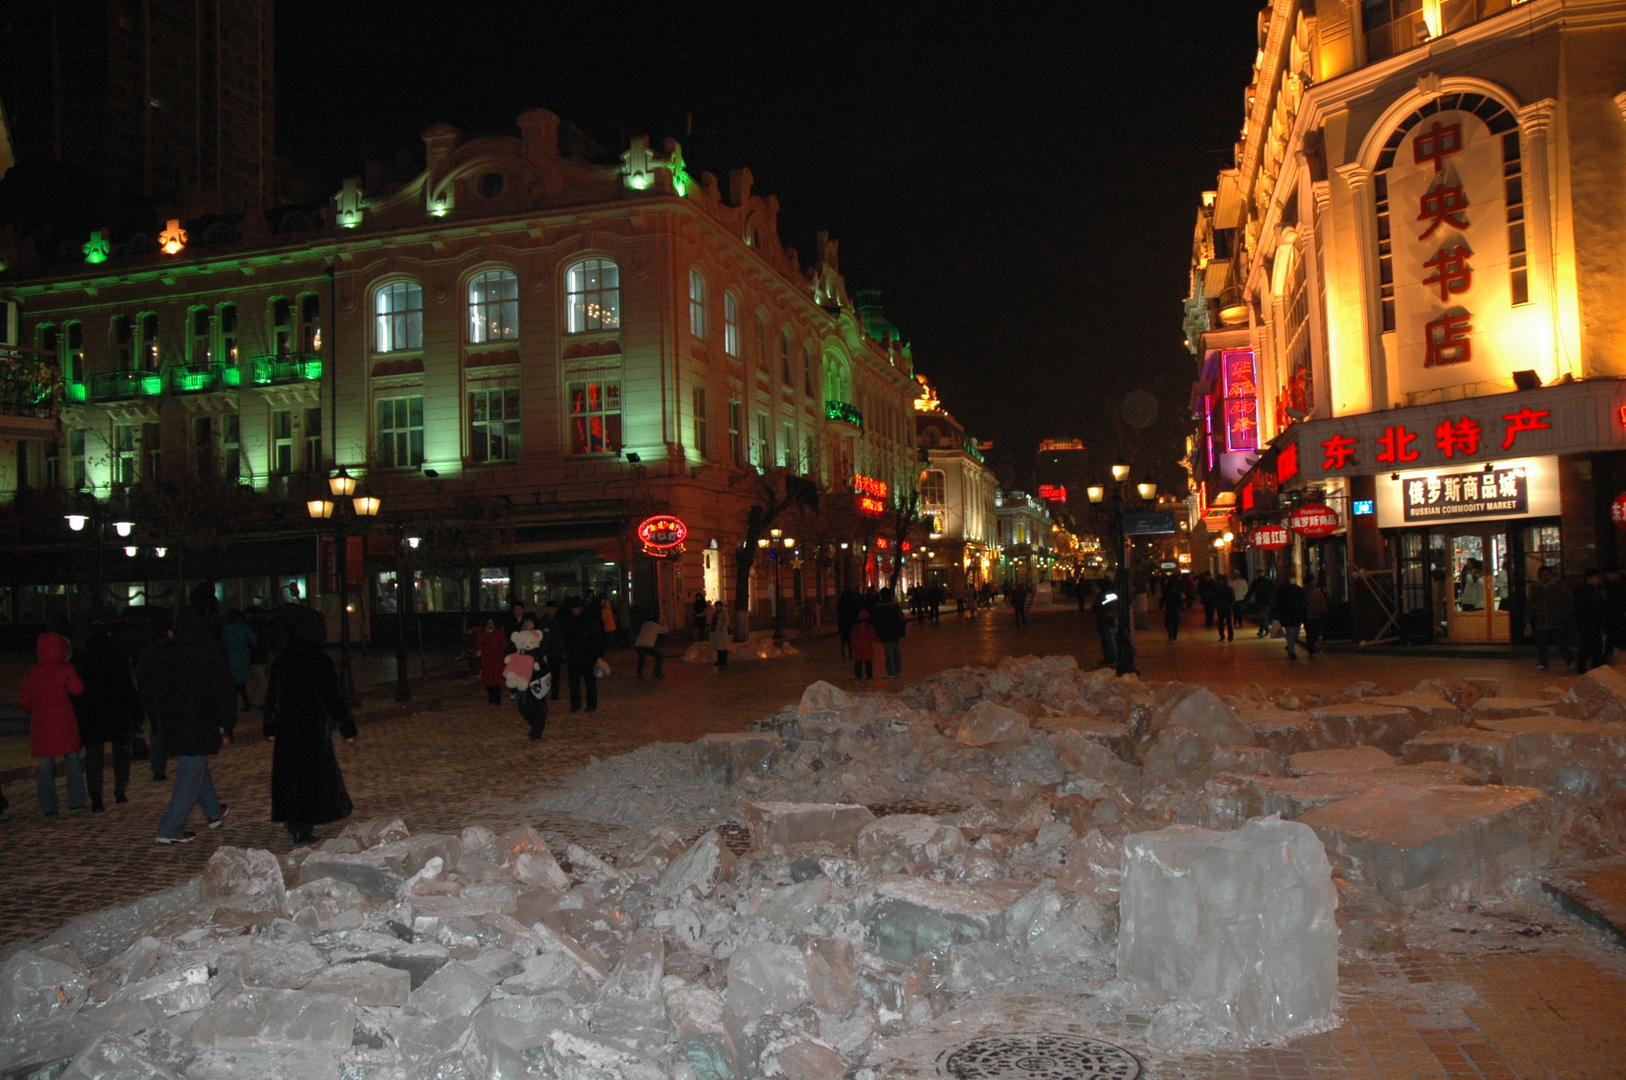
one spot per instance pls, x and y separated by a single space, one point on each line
731 324
400 431
494 424
933 488
595 416
398 307
697 304
593 296
493 307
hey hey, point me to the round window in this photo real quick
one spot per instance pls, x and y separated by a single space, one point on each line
491 185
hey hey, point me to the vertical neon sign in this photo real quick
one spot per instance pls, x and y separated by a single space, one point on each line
1240 373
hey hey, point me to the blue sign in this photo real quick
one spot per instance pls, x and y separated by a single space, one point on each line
1365 506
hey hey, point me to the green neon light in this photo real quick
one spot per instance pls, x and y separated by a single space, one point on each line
97 247
231 377
971 448
151 385
843 412
76 392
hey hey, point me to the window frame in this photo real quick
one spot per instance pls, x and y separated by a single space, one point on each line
400 435
786 376
200 346
482 433
731 324
579 318
400 321
478 308
281 441
697 304
604 442
701 421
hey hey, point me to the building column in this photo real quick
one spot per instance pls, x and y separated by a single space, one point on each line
1535 122
1310 228
1367 341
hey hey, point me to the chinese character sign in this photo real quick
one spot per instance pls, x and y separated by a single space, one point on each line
1239 370
1495 493
1448 272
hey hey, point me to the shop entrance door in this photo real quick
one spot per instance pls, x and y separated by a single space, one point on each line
1476 595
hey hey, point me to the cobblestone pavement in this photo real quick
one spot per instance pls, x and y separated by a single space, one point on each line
450 760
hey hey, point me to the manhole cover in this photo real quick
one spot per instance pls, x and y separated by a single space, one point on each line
1037 1057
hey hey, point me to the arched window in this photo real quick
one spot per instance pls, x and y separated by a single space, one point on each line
399 310
784 358
147 323
697 304
731 324
809 383
493 306
593 296
836 385
933 488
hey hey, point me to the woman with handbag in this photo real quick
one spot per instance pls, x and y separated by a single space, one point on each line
526 670
302 707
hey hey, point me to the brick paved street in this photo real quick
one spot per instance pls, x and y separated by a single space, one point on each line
457 761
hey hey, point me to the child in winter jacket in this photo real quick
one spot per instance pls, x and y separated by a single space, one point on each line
863 647
53 730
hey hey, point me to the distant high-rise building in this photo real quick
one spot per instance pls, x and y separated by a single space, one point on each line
167 100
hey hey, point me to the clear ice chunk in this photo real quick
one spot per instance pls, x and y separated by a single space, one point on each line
34 990
114 1057
454 990
766 978
367 984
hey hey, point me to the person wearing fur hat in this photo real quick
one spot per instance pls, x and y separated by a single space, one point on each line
526 672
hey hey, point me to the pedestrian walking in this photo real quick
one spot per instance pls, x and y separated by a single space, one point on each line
1287 607
553 643
47 692
1315 614
1205 597
1224 610
649 636
302 709
584 647
1107 606
863 647
1261 596
719 633
1549 611
890 627
847 606
492 644
239 639
148 663
700 621
197 713
108 711
526 672
1019 601
1591 612
1173 602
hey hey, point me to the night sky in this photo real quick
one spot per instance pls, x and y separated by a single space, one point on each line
1019 181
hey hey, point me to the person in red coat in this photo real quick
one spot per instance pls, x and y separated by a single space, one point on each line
53 731
493 645
863 647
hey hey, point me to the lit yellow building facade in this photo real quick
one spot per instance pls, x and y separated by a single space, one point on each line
1409 304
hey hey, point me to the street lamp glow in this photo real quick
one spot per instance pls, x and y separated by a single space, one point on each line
131 551
789 542
414 541
160 551
320 509
123 528
776 533
1120 472
1229 537
343 484
367 505
1096 492
762 541
76 522
1148 491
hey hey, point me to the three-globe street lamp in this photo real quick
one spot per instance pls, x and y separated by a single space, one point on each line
1097 493
343 486
771 542
100 524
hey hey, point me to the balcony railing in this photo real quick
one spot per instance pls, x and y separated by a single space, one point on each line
30 383
202 378
124 385
844 413
1413 28
295 367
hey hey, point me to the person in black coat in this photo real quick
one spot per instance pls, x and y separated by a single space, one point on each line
553 639
847 606
583 646
302 708
1290 608
196 707
533 697
109 712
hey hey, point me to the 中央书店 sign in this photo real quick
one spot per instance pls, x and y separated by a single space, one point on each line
1521 487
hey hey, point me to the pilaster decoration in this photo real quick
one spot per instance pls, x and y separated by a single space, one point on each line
1429 85
1535 121
1321 191
1356 175
1359 179
1620 103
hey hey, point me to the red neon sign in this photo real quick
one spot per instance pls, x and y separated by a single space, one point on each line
1239 372
882 543
868 485
1053 492
662 534
1269 537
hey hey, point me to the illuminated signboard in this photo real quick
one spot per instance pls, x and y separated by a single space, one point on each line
871 495
1239 371
1269 537
1046 445
662 535
1313 520
1364 507
1053 492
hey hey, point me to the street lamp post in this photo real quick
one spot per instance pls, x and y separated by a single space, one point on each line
403 598
772 543
363 506
99 524
1126 613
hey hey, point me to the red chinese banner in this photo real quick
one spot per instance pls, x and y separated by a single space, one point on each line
1314 520
1617 511
1239 372
355 563
1269 537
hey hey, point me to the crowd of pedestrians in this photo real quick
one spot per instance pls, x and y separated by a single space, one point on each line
170 689
533 657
